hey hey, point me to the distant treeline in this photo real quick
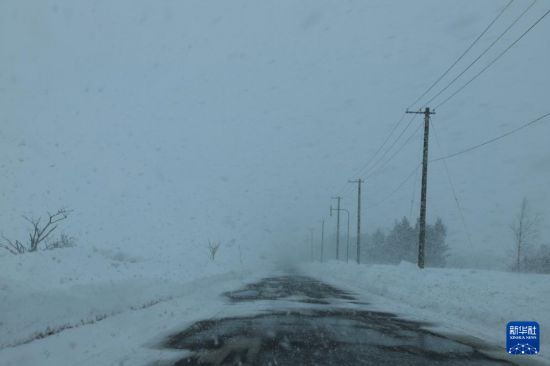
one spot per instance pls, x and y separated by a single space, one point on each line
391 246
401 244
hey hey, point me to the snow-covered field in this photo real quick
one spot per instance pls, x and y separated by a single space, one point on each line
50 291
474 303
130 337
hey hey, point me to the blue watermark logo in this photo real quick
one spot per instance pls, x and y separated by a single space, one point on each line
523 338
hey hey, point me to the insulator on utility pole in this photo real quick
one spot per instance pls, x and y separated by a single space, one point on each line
422 221
359 182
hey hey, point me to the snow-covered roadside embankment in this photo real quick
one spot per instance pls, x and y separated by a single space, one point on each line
477 303
45 292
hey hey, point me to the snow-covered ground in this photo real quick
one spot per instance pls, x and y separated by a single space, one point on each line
50 291
131 337
110 308
464 302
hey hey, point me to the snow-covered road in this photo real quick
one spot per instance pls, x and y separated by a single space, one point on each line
86 307
277 319
307 322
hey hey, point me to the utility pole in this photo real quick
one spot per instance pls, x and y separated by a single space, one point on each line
422 233
322 237
358 181
311 242
339 198
347 237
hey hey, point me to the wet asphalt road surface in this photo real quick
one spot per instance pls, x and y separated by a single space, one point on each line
306 322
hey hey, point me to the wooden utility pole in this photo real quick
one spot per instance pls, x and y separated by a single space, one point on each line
322 238
422 232
311 242
339 198
358 181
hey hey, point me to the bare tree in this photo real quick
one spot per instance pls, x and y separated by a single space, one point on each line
39 233
525 229
213 248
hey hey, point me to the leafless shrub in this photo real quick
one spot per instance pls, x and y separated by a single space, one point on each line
213 248
38 234
64 241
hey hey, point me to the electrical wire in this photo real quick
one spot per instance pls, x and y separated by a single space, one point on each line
487 49
374 172
391 146
525 125
369 163
453 190
494 60
398 187
357 173
396 125
463 54
347 188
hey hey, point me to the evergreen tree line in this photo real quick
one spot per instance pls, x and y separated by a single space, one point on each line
401 244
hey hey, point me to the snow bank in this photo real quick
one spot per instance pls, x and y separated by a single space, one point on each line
477 303
46 292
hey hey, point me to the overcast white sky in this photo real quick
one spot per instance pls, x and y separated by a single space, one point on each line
168 123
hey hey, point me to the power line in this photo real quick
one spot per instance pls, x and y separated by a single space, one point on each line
344 189
494 60
347 189
457 202
391 146
463 54
369 163
502 34
525 125
398 187
396 152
